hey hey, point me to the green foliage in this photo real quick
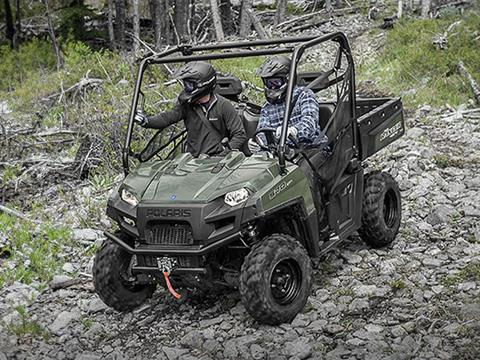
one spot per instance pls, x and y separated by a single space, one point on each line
29 61
27 326
33 251
412 67
72 22
397 285
469 272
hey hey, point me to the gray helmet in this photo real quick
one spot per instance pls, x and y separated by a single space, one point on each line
274 73
199 78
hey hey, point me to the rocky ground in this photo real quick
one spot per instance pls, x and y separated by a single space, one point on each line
417 299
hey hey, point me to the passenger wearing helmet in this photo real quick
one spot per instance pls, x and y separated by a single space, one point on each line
208 117
303 124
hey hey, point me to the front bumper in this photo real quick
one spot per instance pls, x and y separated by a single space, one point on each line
159 250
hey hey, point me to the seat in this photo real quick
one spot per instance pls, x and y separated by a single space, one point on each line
325 111
229 87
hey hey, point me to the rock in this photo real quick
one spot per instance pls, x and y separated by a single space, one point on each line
210 322
369 290
432 262
333 329
415 132
357 306
63 320
351 258
19 294
96 305
440 214
86 234
239 309
193 339
173 353
88 356
96 329
373 328
299 348
62 282
466 286
257 352
68 268
300 320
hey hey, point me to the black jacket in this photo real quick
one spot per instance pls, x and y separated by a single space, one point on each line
206 125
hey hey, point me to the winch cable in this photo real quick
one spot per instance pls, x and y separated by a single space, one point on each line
170 287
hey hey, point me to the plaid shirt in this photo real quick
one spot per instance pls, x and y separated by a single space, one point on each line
304 117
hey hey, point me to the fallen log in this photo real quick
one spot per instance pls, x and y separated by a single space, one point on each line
462 70
257 25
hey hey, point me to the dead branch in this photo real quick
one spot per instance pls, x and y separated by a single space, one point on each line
299 19
16 213
262 33
76 88
473 84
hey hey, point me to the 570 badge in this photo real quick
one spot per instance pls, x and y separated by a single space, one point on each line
279 188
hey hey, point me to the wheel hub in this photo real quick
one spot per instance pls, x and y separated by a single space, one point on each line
285 281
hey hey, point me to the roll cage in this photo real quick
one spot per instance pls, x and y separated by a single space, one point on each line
296 47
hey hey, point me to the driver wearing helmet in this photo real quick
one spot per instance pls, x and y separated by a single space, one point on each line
208 117
303 124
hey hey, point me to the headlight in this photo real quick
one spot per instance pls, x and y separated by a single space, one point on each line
128 197
236 197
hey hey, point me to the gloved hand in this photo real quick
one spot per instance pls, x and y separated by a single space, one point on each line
253 146
141 119
291 131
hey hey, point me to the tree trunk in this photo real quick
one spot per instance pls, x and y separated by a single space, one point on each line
328 6
166 29
156 14
51 32
136 27
18 24
425 8
181 19
400 9
10 30
262 34
111 34
227 20
245 22
280 13
120 11
217 22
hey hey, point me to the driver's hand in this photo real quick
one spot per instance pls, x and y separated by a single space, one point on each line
291 131
141 119
253 146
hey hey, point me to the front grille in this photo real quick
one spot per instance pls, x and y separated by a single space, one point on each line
169 234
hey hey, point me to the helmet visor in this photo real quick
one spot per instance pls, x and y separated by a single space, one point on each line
189 86
274 83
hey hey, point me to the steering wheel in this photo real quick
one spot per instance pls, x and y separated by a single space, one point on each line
272 141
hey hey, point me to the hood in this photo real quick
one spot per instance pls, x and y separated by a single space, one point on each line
186 179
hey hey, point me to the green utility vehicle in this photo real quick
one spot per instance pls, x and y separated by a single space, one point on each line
250 222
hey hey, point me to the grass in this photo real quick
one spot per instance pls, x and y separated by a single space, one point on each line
26 326
32 253
398 285
469 272
409 65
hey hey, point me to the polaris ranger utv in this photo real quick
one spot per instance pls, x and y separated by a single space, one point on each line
250 222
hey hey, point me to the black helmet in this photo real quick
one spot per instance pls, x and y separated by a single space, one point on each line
274 73
199 78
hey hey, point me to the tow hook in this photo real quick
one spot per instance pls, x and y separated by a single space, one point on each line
170 287
166 264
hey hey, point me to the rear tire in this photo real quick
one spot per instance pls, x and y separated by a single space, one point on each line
275 279
381 210
112 280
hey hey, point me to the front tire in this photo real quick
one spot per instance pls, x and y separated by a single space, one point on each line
381 210
112 281
275 279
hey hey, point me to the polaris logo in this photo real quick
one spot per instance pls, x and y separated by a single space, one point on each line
390 132
175 213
